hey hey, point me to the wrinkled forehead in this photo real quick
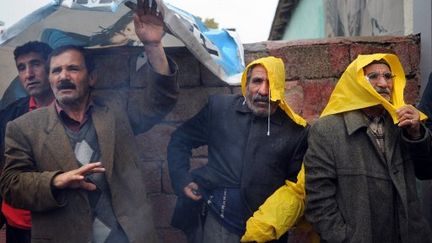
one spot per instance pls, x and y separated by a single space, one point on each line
28 57
376 68
377 64
259 71
256 69
67 58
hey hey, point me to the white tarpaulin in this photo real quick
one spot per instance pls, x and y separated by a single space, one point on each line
219 50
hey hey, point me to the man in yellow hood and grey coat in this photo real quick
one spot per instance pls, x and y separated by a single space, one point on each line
255 143
364 155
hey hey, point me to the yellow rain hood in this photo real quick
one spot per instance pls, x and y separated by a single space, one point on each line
354 92
276 75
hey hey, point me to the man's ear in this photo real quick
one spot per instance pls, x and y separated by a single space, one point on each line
92 78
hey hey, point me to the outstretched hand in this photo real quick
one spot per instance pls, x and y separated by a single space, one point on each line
76 178
148 21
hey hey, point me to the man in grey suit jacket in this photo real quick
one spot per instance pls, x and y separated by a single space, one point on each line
74 164
364 155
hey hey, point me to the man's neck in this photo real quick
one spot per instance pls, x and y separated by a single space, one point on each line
77 110
44 100
374 111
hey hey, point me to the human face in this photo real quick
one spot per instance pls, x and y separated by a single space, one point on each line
32 74
257 92
69 78
381 79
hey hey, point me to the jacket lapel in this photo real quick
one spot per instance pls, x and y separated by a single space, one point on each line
395 164
355 120
104 123
57 143
391 138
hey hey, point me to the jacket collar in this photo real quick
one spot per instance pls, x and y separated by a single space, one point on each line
354 120
104 122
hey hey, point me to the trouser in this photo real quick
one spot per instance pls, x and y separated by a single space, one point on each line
212 231
17 235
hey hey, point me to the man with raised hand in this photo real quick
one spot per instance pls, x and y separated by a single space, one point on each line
74 164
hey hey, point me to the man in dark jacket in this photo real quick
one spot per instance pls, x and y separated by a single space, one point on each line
425 186
74 164
30 60
364 155
255 142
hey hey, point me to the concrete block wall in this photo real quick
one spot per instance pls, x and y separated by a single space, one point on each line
312 70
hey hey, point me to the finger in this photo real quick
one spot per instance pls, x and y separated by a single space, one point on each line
146 7
405 108
408 114
193 186
140 10
191 195
88 186
98 170
64 180
409 123
403 111
404 123
405 116
88 168
153 7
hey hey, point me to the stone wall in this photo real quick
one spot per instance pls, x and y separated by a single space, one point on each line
312 70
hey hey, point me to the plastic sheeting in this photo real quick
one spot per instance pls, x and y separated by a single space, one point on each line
219 50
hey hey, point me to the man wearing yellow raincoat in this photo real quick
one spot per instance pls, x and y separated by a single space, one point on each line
256 145
364 154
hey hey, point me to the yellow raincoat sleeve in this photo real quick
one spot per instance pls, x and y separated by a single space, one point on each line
279 212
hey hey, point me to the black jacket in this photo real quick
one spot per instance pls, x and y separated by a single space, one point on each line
240 154
9 113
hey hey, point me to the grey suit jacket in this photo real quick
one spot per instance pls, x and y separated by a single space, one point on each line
355 193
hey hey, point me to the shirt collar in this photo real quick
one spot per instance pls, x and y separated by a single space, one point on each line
70 122
33 105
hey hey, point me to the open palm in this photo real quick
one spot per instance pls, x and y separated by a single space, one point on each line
149 25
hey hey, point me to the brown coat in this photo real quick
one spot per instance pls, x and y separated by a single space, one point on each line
37 148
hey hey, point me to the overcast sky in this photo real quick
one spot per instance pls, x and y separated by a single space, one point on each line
12 10
252 19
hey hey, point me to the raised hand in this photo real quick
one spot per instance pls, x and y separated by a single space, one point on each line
409 119
149 25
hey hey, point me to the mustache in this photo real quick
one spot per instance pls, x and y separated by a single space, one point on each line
66 84
260 98
383 90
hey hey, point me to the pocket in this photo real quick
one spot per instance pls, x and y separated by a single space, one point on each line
186 214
